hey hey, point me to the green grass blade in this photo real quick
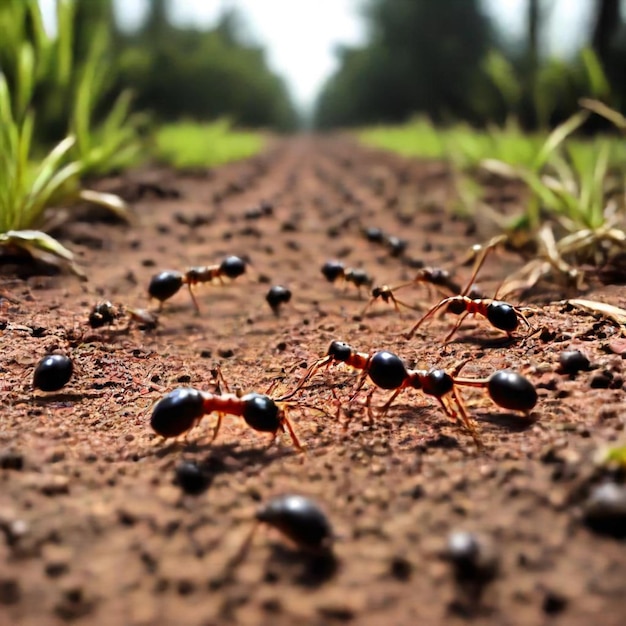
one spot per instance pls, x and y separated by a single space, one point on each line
558 136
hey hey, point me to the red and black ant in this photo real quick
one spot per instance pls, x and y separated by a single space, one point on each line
333 270
167 283
501 315
181 409
106 313
386 370
431 276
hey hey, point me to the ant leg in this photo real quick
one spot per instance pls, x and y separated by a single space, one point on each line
219 377
240 555
193 299
470 424
359 385
482 252
312 369
367 306
368 404
387 405
456 326
461 417
430 313
294 438
217 427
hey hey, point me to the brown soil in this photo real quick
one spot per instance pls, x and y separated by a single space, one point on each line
95 529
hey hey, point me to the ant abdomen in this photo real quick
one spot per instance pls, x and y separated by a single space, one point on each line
387 371
511 390
261 413
232 267
332 270
165 284
177 412
503 316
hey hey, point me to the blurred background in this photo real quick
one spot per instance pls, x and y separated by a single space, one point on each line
282 64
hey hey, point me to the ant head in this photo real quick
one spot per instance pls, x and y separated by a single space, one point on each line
165 284
261 413
102 313
387 370
340 351
233 266
511 390
456 306
332 270
377 292
177 412
437 383
502 316
298 518
359 277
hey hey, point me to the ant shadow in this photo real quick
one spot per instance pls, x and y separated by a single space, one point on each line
306 569
487 342
508 421
68 397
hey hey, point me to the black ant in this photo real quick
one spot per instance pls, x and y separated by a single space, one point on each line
167 283
105 314
333 270
431 276
387 371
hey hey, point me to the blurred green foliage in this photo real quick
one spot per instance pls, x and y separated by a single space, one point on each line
448 61
193 144
187 73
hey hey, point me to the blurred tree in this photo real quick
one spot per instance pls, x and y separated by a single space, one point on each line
202 74
422 56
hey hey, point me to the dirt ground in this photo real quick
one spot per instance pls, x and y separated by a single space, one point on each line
97 530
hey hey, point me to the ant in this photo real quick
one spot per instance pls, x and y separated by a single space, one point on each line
431 276
387 371
333 270
105 314
500 314
181 409
167 283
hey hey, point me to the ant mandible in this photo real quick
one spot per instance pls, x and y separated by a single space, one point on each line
167 283
333 270
431 276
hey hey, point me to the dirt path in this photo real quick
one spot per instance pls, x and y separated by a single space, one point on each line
95 529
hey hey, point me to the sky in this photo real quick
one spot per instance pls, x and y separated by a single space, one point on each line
301 35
